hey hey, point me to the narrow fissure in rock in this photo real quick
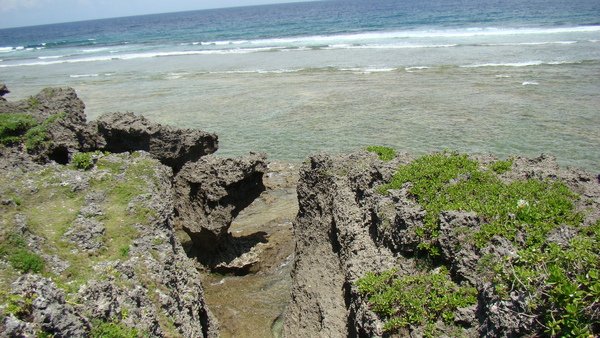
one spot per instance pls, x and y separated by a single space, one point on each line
246 277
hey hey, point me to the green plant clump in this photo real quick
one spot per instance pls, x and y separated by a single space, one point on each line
561 282
83 161
13 126
445 181
15 251
500 167
18 305
384 153
26 261
419 300
16 128
101 329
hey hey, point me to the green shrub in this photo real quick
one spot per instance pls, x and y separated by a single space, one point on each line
500 167
124 251
83 161
19 306
14 249
101 329
13 126
33 102
35 137
419 300
560 283
449 181
26 261
384 153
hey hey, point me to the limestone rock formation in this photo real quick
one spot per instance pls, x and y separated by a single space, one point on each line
334 246
345 228
118 263
172 146
61 128
212 191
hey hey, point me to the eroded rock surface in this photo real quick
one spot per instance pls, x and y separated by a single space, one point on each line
345 228
118 262
172 146
62 128
212 191
334 246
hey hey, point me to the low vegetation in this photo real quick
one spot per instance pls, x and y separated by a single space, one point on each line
417 300
84 161
559 282
13 126
14 249
48 206
102 329
384 153
20 127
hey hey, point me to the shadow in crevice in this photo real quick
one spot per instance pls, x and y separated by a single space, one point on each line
227 256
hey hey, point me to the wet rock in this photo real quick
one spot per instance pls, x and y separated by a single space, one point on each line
174 147
212 191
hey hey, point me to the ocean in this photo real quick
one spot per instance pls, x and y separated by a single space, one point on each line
500 77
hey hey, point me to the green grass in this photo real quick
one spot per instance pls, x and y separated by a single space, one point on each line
14 249
101 329
51 208
384 153
416 300
13 126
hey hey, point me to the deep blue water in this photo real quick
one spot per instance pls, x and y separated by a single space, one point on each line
231 27
503 77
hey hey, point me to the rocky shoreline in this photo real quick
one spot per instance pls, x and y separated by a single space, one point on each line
119 226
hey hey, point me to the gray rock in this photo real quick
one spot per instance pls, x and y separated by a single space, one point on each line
3 91
66 134
174 147
334 247
457 247
87 234
48 309
212 191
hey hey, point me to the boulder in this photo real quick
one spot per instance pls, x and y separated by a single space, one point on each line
172 146
3 91
212 191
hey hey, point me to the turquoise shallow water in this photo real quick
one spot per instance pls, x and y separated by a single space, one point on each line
292 80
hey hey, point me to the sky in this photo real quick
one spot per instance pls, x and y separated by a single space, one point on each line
17 13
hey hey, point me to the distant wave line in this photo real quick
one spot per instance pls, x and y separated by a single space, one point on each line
434 33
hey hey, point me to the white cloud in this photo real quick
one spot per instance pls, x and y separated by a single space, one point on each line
9 5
